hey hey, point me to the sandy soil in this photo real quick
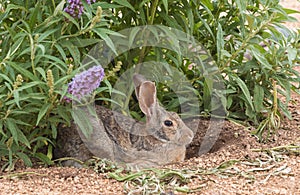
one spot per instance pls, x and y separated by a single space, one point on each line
237 165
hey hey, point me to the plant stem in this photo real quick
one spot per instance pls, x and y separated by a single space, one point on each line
143 51
246 41
153 11
32 52
53 3
276 148
152 16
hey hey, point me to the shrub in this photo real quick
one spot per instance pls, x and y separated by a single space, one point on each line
254 51
41 50
42 47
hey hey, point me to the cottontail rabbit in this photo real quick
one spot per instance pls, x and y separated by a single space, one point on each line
162 140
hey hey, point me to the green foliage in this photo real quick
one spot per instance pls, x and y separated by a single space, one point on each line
256 54
41 49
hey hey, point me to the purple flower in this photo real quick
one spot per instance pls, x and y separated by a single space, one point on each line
85 83
75 7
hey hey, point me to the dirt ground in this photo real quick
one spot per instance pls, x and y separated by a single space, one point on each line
238 164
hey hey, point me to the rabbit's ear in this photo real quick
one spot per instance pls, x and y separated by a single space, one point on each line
147 97
138 80
146 93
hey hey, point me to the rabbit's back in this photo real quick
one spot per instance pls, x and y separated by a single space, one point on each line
113 137
116 140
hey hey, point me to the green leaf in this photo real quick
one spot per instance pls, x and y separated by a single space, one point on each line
42 72
250 112
23 71
208 28
30 85
20 122
10 7
103 34
50 152
191 19
286 86
59 7
84 42
132 36
17 134
174 44
207 92
17 98
241 5
61 51
127 177
250 20
220 42
25 159
54 130
34 14
44 158
82 119
12 127
3 76
285 110
245 91
71 19
57 61
22 138
42 47
28 97
171 21
1 128
165 3
292 54
291 11
44 35
64 113
258 98
261 58
75 53
125 3
109 86
16 46
42 112
208 4
41 139
242 9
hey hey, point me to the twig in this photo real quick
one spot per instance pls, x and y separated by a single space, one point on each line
10 176
277 148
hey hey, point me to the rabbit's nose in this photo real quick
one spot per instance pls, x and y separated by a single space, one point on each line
187 136
190 135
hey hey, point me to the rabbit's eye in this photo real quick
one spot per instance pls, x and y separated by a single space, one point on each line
168 123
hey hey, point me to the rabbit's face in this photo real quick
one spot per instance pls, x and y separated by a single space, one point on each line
165 126
176 130
171 129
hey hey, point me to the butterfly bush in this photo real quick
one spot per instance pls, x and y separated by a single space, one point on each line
75 7
85 82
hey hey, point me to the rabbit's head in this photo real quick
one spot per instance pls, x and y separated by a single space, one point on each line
163 125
